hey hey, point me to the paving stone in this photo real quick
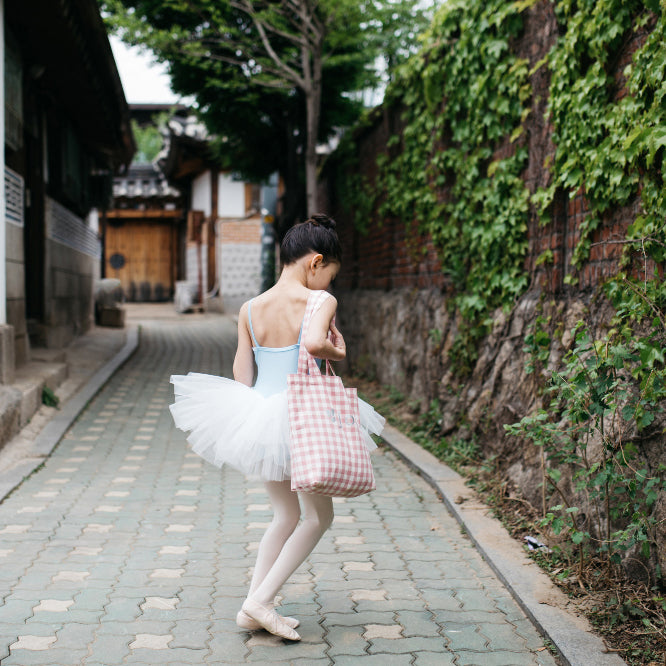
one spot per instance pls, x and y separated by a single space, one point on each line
124 609
16 610
53 605
133 628
288 652
368 595
387 659
70 576
32 642
400 589
509 608
92 599
390 605
358 619
502 636
346 641
526 630
160 603
392 631
263 639
403 645
417 623
475 600
228 645
192 634
454 617
500 658
434 659
465 637
151 642
50 657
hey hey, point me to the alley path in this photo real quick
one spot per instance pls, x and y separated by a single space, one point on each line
125 548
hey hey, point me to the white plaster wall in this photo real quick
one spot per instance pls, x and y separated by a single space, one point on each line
231 197
201 193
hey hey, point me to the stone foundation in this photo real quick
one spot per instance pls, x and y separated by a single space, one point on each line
402 338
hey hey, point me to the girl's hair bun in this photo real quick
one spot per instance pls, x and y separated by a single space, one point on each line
316 234
322 220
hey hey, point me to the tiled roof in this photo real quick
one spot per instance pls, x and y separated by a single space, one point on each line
143 181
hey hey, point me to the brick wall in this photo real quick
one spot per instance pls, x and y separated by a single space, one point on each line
244 231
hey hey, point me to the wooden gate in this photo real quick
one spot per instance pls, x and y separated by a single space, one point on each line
143 256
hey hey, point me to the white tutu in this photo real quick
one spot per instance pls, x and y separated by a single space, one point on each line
230 423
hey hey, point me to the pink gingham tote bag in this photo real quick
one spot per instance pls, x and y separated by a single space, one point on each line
328 456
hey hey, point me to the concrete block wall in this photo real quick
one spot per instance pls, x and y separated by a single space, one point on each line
72 256
240 261
69 293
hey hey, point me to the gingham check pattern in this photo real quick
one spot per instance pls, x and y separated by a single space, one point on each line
328 456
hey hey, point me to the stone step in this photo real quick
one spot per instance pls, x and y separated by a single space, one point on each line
20 401
31 379
44 355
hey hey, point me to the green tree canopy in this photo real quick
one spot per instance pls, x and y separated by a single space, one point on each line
271 78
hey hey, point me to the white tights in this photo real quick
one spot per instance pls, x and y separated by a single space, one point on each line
286 543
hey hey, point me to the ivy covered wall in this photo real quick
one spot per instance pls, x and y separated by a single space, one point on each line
503 207
523 147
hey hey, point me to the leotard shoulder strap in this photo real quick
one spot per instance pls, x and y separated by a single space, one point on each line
249 321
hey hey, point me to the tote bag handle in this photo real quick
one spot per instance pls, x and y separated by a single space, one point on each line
306 362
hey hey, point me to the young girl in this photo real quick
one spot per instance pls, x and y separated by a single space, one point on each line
247 426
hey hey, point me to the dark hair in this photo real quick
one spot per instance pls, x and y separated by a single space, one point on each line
316 234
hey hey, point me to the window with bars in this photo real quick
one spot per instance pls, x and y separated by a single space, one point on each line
14 189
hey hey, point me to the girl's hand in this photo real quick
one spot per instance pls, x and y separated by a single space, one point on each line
337 341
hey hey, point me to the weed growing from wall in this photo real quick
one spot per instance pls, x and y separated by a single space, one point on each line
601 401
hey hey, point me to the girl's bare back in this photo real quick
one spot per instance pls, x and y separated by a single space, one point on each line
277 315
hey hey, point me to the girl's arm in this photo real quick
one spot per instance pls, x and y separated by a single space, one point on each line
244 359
317 340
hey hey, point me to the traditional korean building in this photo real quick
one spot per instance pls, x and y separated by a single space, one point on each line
144 234
66 131
229 238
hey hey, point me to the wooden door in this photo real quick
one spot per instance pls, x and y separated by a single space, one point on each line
141 255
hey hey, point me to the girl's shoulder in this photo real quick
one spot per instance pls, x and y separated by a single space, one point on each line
323 296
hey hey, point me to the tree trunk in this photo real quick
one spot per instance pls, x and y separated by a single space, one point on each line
311 158
312 67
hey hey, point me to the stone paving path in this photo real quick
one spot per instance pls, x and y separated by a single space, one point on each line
125 548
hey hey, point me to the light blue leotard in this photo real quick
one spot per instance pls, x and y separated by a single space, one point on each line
273 363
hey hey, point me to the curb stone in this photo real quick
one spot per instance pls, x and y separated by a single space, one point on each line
54 430
532 589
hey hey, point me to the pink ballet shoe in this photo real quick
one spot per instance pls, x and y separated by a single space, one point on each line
269 620
244 621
